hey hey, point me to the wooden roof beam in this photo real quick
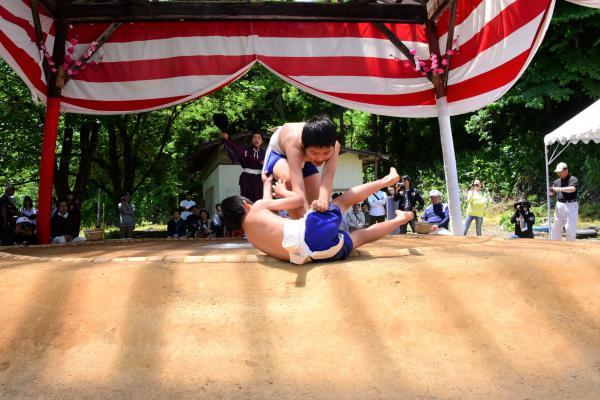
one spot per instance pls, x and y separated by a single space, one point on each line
127 11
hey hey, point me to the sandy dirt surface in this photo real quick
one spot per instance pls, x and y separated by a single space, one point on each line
409 318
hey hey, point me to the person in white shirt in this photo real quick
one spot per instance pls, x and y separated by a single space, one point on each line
186 205
377 207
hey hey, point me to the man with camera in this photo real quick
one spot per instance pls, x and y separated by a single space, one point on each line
523 219
409 199
566 209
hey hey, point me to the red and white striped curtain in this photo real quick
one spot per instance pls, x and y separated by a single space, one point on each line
147 66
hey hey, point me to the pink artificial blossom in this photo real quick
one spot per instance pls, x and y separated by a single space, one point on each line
78 63
450 52
70 49
422 63
73 41
68 59
444 62
54 69
413 51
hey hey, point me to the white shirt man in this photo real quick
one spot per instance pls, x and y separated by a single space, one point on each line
377 206
186 206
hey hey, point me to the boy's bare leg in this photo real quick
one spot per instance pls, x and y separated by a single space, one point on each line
377 231
360 193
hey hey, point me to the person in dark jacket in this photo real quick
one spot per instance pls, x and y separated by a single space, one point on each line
63 225
523 219
8 214
250 158
176 227
409 199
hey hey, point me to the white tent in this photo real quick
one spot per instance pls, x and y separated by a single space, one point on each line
584 127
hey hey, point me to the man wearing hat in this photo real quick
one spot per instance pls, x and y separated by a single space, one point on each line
567 208
523 219
437 214
409 199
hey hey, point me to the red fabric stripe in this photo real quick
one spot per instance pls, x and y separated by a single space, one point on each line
23 23
488 81
424 98
408 32
139 105
41 9
506 23
29 67
164 68
342 66
143 31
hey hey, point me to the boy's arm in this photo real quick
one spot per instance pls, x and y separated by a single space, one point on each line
290 199
327 179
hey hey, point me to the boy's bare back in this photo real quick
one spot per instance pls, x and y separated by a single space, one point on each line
264 230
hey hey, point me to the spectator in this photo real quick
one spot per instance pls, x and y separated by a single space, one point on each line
8 215
566 210
204 224
63 225
523 219
377 207
355 218
437 214
126 211
409 199
176 227
74 207
25 231
216 226
186 205
191 222
250 158
365 209
28 210
476 202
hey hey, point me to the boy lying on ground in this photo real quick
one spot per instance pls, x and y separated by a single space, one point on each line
317 235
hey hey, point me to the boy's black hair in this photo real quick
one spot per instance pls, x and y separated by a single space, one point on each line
221 121
178 209
233 213
319 132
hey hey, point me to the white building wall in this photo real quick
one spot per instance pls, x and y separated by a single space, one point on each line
349 172
229 178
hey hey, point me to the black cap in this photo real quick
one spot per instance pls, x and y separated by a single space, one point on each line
522 200
406 178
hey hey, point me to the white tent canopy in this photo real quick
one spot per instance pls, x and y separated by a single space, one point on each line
584 127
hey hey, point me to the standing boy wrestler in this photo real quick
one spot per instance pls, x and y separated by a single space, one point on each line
294 153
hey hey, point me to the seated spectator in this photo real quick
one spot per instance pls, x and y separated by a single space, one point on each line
204 224
523 219
193 222
186 206
25 231
126 211
63 225
176 227
216 226
437 214
28 210
365 209
355 218
343 224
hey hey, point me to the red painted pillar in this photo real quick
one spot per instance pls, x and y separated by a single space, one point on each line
47 169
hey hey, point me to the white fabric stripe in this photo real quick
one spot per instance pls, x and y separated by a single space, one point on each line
364 84
400 111
21 10
497 55
476 102
173 47
140 90
587 3
334 47
82 110
20 39
479 17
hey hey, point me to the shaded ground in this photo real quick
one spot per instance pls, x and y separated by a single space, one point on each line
414 317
